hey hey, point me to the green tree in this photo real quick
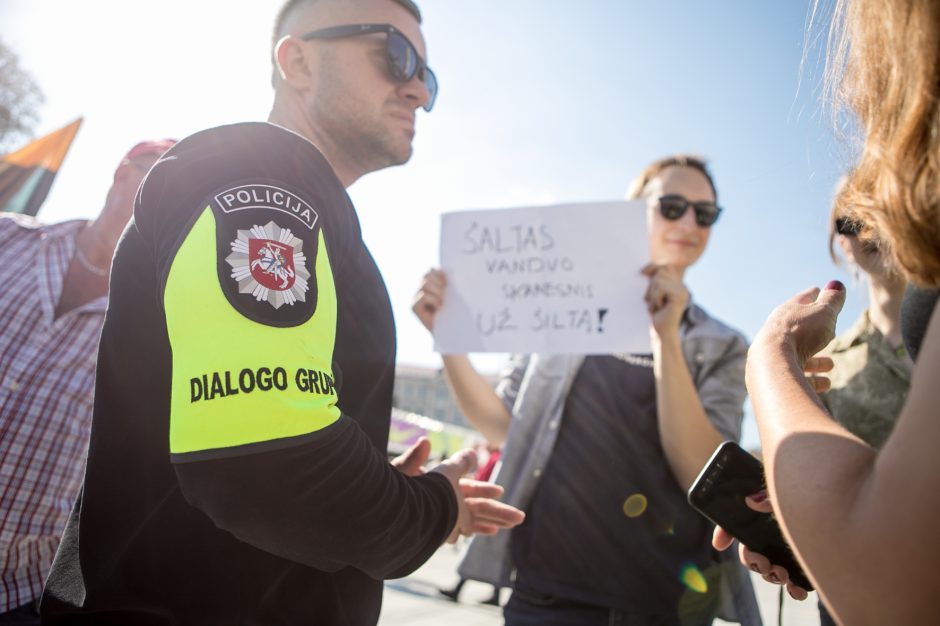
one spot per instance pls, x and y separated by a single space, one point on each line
20 99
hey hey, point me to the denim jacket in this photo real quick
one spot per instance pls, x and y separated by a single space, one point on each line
534 388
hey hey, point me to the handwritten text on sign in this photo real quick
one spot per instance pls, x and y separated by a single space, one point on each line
562 279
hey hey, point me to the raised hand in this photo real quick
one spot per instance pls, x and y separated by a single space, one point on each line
430 297
805 323
666 297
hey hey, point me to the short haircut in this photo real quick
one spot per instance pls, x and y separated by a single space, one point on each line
291 6
654 169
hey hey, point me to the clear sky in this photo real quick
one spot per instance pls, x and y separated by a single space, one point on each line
541 101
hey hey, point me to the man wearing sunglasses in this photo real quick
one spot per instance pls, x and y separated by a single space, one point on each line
237 470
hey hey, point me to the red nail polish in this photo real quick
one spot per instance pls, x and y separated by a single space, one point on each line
835 285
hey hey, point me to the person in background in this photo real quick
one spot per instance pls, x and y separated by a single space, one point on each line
871 370
237 469
53 295
600 450
485 474
863 521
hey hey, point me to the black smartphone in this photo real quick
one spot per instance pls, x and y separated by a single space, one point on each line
718 493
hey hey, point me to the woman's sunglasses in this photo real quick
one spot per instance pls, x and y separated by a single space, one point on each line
673 207
403 60
848 227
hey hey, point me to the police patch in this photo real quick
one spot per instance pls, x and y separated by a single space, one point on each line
258 196
268 262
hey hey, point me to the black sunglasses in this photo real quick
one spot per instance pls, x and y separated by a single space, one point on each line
673 207
404 63
848 227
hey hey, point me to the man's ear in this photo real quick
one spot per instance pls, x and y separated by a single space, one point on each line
296 61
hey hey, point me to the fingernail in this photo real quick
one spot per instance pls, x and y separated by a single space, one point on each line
773 578
835 285
758 497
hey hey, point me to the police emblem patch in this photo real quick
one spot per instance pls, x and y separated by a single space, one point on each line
268 262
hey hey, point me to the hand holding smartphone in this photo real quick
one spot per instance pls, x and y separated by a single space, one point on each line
718 493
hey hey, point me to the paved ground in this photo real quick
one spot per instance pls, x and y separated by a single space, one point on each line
415 601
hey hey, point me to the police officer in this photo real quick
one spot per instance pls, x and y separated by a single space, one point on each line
237 472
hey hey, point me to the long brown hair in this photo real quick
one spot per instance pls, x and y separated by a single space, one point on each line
884 64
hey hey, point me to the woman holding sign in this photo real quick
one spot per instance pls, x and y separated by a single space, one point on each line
600 449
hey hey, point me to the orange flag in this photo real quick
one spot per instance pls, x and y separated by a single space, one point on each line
27 174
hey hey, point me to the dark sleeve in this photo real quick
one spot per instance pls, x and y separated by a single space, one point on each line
329 503
916 311
245 225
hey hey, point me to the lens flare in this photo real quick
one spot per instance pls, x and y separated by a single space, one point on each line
692 577
635 505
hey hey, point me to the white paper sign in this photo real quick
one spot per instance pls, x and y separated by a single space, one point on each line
549 279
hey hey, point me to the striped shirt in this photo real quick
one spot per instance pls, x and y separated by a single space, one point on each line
47 381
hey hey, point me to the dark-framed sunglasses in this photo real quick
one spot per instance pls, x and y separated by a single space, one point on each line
848 227
404 63
674 206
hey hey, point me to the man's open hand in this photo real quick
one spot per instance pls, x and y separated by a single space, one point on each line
479 511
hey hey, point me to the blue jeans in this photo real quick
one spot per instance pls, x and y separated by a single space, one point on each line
530 609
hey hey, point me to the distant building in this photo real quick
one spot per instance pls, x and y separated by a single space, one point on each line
423 390
446 439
